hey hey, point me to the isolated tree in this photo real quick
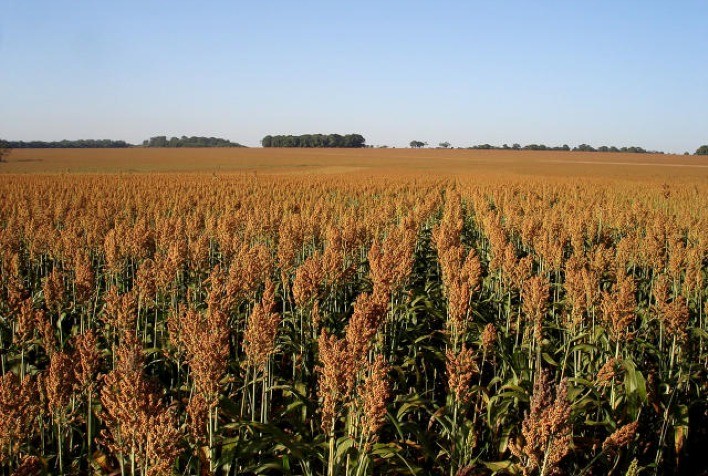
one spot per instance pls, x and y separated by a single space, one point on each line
444 145
416 144
702 150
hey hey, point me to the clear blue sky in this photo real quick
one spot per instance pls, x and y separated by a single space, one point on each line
597 72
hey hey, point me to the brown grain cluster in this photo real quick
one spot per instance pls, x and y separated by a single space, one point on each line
374 393
461 368
609 371
621 438
205 339
19 408
140 430
337 376
259 337
618 308
535 300
547 430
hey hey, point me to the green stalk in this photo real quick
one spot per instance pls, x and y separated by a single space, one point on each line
60 446
330 458
88 430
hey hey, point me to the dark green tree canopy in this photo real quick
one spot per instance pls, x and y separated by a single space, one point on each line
702 150
315 140
193 141
416 144
70 144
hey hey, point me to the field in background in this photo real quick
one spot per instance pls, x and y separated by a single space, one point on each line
363 161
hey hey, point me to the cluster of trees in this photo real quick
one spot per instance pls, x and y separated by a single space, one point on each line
4 150
184 141
315 140
69 144
702 150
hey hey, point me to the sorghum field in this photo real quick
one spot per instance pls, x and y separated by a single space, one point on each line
435 313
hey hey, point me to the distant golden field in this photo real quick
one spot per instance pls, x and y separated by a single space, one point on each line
365 161
352 312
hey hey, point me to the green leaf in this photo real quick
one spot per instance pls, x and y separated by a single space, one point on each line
583 348
549 359
385 450
343 445
496 466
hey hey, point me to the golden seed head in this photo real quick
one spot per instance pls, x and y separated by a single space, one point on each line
622 437
461 367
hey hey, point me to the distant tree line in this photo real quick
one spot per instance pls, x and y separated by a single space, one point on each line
315 140
604 148
520 147
158 141
416 144
565 147
702 150
69 144
184 141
